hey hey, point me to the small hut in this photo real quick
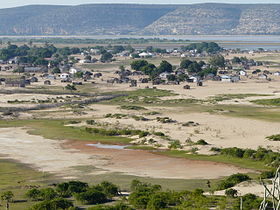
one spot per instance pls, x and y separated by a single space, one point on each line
187 87
47 82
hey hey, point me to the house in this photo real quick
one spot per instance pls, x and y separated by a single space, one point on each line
47 82
73 70
227 78
193 79
64 76
262 76
164 75
34 79
277 73
187 87
145 55
242 73
14 83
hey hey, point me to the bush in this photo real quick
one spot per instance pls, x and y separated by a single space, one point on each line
33 194
175 145
67 189
58 203
201 142
233 180
274 137
91 196
130 107
109 189
267 174
48 193
231 193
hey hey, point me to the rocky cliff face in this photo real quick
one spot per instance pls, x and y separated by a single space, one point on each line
141 19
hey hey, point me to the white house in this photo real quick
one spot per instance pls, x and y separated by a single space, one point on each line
194 79
64 76
277 73
73 70
227 78
262 76
164 75
242 73
144 55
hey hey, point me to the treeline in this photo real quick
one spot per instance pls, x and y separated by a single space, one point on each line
208 47
36 55
142 196
267 156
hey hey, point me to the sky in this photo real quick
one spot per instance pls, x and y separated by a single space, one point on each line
15 3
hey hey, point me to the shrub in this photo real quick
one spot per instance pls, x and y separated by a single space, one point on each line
130 107
201 142
58 203
91 196
267 174
274 137
175 145
231 193
33 194
233 180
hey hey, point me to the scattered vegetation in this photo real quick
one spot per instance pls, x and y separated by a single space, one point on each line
274 137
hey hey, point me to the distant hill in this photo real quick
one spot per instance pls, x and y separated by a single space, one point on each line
111 19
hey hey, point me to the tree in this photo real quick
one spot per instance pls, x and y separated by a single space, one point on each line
194 68
57 203
79 74
231 193
8 197
88 57
48 193
33 194
185 63
91 196
217 61
109 189
165 67
19 70
122 68
137 65
70 87
106 57
56 70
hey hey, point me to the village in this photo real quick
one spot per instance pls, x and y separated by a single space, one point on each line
149 113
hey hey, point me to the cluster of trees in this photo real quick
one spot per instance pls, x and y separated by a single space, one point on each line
36 55
261 154
56 198
150 69
194 67
143 196
208 47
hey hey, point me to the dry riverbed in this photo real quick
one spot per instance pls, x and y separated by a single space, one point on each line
64 158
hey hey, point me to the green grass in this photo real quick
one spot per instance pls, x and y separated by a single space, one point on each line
124 181
244 163
137 147
16 177
268 102
55 129
224 97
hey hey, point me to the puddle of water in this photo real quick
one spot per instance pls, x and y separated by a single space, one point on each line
107 146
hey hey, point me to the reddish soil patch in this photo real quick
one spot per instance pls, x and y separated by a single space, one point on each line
147 164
